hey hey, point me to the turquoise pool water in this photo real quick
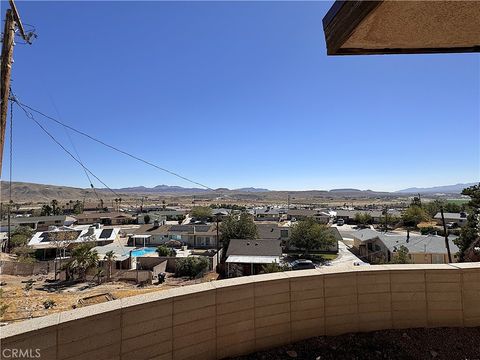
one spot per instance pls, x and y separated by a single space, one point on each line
143 251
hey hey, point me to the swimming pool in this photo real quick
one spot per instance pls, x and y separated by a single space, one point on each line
143 251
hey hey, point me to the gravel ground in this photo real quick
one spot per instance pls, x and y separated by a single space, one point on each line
409 344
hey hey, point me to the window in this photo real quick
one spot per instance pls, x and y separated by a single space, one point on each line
377 247
370 246
207 240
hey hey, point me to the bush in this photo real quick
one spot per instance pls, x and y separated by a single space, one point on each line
274 267
163 250
428 230
191 266
48 304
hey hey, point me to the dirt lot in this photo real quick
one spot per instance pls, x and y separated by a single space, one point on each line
23 304
409 344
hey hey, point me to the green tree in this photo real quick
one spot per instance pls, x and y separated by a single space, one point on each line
201 212
21 236
109 258
191 266
308 235
55 209
164 250
401 256
363 219
83 259
414 215
146 219
433 207
237 227
25 253
78 207
46 210
470 232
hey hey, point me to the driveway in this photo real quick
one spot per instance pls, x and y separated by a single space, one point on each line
345 257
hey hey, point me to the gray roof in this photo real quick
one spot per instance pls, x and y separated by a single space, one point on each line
433 244
455 216
372 213
270 231
267 211
121 252
35 219
257 247
306 212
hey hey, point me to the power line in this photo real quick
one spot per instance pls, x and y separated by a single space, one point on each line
111 146
30 116
76 152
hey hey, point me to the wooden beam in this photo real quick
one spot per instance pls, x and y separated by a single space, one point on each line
16 17
342 19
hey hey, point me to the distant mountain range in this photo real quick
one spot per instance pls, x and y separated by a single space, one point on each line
159 189
30 192
446 189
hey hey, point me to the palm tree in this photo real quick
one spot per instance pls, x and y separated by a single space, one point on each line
109 257
54 204
83 259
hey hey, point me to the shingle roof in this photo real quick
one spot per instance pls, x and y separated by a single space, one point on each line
257 247
417 243
270 231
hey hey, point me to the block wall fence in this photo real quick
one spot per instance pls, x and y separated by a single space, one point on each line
242 315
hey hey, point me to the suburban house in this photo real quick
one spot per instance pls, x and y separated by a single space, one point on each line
42 223
161 215
196 236
321 216
105 218
122 255
64 238
377 247
268 214
460 219
276 231
377 215
247 257
273 230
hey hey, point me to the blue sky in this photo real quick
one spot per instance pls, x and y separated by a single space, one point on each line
235 94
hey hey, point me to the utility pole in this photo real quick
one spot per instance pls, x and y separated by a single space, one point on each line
6 68
447 244
12 21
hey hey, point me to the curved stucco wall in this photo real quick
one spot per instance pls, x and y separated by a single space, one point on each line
238 316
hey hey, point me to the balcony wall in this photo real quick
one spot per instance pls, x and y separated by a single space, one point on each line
238 316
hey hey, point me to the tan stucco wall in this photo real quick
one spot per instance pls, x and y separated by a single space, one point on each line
237 316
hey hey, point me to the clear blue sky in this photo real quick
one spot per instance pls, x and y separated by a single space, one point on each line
237 94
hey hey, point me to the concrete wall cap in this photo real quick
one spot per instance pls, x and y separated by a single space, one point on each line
29 325
88 311
466 265
243 280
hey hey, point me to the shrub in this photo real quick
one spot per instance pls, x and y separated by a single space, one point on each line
163 250
48 304
191 266
274 267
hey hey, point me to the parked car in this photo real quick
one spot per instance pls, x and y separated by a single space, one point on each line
302 264
452 225
340 222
